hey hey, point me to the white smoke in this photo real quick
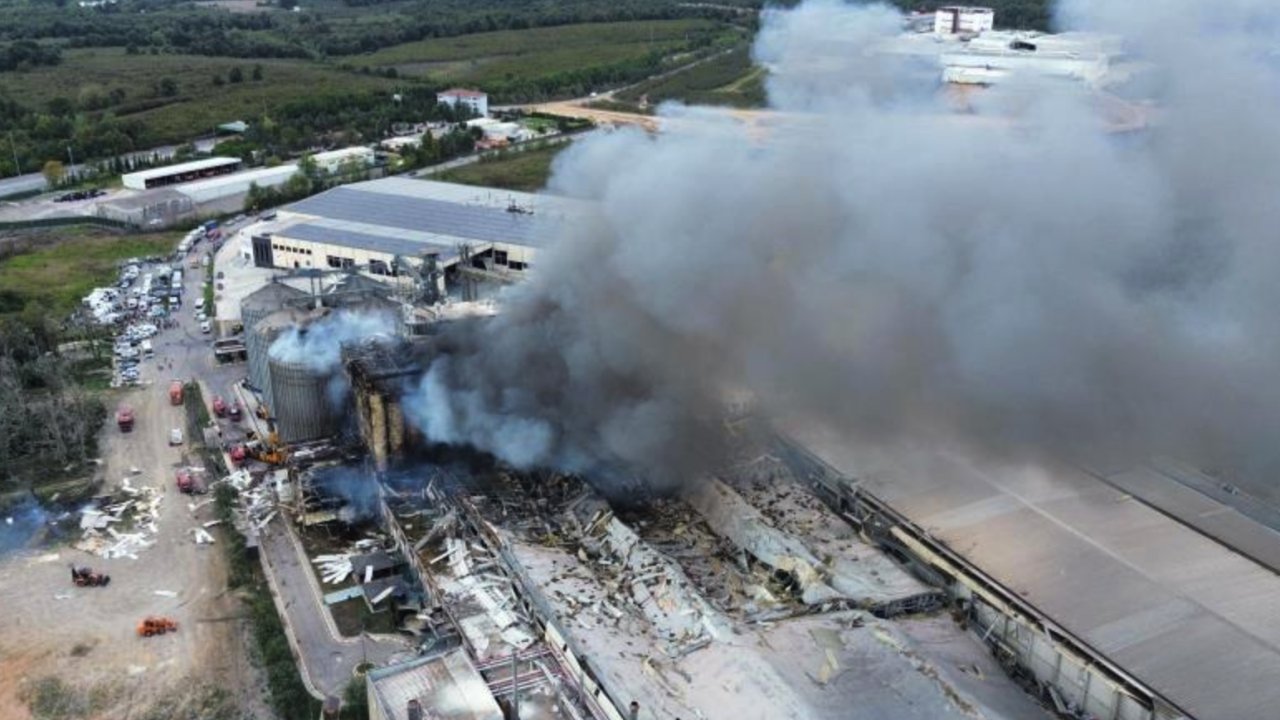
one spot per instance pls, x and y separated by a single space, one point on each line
318 345
1017 278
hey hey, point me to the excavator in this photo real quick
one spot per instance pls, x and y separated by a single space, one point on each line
267 449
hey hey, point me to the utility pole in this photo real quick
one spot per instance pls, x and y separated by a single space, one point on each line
17 169
71 171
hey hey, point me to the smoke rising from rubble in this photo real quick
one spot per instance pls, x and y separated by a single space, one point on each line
1013 278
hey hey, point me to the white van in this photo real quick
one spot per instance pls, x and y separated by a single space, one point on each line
206 326
199 304
147 351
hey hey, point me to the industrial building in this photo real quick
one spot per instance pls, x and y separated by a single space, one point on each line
151 208
1122 594
996 56
331 161
474 100
960 19
226 193
444 687
180 173
384 227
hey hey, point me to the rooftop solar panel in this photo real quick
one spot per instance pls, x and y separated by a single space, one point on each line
466 222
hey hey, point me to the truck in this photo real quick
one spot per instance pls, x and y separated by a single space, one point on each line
186 481
175 392
219 406
124 418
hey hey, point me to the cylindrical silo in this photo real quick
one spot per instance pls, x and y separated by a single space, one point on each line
256 307
300 401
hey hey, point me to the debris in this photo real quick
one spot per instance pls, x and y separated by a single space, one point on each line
382 595
211 523
62 596
166 593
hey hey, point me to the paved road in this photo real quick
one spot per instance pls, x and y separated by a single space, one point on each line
328 661
36 181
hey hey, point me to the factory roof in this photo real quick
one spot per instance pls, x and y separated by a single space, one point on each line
186 167
142 198
271 296
449 686
370 238
462 92
248 176
342 154
433 213
1194 621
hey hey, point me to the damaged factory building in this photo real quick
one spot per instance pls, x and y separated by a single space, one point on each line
771 588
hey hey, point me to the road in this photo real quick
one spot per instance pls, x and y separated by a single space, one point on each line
35 182
328 660
85 636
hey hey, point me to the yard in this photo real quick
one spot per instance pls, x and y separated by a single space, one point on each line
524 170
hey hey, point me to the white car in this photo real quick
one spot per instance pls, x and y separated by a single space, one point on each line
175 436
206 327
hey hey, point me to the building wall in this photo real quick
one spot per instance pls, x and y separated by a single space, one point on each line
479 105
957 19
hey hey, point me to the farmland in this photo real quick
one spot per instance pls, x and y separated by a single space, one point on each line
729 78
526 170
526 64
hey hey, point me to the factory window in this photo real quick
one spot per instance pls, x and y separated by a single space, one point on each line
515 265
334 262
348 262
500 257
378 267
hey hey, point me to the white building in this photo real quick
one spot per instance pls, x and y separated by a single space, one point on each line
180 173
996 56
960 19
234 187
331 161
477 101
375 225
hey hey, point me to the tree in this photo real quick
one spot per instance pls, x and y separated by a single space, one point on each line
257 72
167 87
217 80
236 75
53 172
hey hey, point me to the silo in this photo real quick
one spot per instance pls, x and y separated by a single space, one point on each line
257 306
300 401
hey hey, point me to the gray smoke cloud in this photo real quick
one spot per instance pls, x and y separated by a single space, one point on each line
1016 278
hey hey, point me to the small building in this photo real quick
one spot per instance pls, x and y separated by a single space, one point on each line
180 173
235 127
475 100
331 161
441 687
148 209
963 20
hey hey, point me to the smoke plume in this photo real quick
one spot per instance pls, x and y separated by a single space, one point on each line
1019 278
318 345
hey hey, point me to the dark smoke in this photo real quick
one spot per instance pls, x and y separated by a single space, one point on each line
1017 279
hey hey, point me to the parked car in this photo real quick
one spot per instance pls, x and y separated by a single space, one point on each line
206 327
175 436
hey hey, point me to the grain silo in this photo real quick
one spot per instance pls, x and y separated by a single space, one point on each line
271 298
301 402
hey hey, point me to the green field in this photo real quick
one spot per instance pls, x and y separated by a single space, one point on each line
199 105
525 170
729 78
67 263
496 58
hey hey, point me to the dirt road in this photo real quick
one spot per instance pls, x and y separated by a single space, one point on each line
86 636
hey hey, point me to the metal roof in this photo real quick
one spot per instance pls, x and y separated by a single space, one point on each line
1194 621
449 686
377 242
186 167
359 203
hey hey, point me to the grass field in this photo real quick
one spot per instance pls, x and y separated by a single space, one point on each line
199 105
727 79
497 57
67 264
525 170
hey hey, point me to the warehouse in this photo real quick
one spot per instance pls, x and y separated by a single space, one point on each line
333 161
227 193
181 173
381 225
1087 581
149 208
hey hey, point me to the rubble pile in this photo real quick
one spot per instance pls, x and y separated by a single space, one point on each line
140 509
